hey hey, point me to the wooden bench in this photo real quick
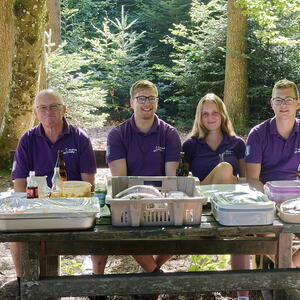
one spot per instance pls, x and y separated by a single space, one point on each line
100 156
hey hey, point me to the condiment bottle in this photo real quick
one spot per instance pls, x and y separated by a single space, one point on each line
183 168
60 163
298 172
56 190
100 193
32 186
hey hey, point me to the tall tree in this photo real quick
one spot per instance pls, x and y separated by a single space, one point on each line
235 87
6 50
29 19
53 23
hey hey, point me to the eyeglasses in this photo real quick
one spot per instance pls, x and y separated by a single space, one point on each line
52 107
278 101
143 99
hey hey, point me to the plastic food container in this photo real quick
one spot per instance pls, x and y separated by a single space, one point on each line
20 214
239 208
164 211
73 189
289 211
280 191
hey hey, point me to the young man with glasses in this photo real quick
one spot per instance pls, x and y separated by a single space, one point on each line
143 145
273 147
38 147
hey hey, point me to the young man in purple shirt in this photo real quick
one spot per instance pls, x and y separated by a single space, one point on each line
37 150
273 147
142 145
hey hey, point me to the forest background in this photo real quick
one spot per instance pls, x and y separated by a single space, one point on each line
92 51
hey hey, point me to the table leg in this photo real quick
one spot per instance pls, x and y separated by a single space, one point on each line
284 251
283 258
35 264
30 266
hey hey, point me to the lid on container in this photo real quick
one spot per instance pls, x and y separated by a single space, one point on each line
242 200
76 184
283 186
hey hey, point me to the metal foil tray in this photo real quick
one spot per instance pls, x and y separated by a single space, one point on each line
20 214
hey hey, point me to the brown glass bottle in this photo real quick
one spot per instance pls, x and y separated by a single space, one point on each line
60 163
183 168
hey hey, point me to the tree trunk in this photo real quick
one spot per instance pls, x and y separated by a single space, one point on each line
6 50
29 18
53 24
235 89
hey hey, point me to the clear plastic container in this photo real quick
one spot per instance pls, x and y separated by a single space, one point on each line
282 190
242 208
75 189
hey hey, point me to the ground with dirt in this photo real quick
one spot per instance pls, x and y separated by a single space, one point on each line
116 264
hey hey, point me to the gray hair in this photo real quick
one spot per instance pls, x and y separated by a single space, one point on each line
48 92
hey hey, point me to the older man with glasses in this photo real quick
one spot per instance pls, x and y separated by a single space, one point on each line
144 145
38 147
273 147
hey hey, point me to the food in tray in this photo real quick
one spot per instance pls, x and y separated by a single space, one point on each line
139 192
73 189
241 197
291 206
289 211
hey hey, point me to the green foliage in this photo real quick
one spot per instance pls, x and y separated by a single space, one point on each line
180 45
4 172
67 74
278 20
198 57
79 17
117 62
71 266
208 262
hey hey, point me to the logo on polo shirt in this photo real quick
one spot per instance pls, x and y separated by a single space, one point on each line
70 151
228 152
159 149
248 147
297 150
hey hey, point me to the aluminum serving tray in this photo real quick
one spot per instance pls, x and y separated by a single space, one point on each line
20 214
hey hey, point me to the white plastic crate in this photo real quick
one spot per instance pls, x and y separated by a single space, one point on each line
158 211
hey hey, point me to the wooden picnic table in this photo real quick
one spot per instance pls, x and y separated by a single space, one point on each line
103 238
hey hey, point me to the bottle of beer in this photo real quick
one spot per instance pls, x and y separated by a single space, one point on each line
60 163
56 189
298 173
183 168
32 186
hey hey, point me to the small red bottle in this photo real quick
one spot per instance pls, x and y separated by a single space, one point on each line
32 186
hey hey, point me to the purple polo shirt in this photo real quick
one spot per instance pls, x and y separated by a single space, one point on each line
145 153
202 159
35 152
279 157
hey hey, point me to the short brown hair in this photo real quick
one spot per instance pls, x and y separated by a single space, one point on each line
285 84
141 85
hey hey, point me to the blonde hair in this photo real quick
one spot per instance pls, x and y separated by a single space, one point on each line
199 130
285 84
141 85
